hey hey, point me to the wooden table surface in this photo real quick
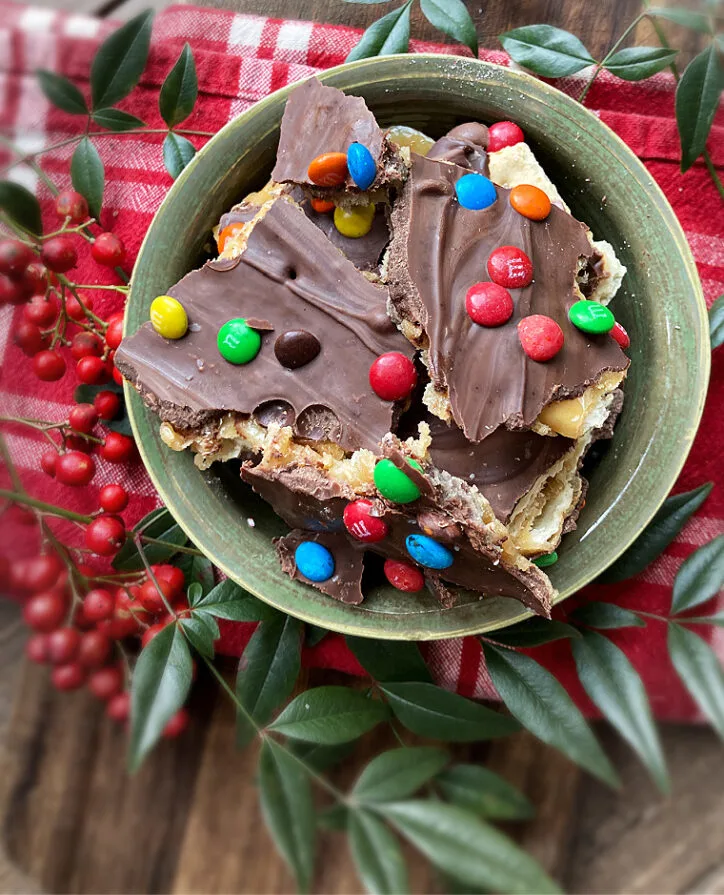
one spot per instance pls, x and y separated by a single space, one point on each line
189 822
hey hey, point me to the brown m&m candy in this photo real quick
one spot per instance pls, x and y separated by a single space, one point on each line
295 348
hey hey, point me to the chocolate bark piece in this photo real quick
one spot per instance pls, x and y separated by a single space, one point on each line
465 146
439 249
319 119
291 275
345 584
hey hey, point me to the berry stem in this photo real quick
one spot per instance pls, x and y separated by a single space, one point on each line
151 575
46 426
179 549
124 290
102 325
47 508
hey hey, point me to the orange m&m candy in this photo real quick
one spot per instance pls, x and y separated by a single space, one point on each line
229 233
328 169
321 206
530 201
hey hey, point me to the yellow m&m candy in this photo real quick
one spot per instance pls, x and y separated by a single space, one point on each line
168 317
354 222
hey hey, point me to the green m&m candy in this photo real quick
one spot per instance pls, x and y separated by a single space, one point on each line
238 342
393 484
591 317
549 559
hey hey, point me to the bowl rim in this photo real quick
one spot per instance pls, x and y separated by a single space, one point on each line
636 168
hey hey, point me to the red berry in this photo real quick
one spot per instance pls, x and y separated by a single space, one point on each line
114 333
75 469
123 624
36 649
173 576
45 612
29 339
42 572
36 278
489 304
392 376
126 598
504 133
361 524
74 307
14 257
86 344
177 724
150 597
68 677
91 370
150 633
404 576
105 535
98 604
113 498
40 310
509 266
108 250
59 254
620 335
48 461
540 336
49 366
94 649
63 645
117 448
78 443
70 204
16 576
119 708
107 404
11 291
82 418
117 376
106 683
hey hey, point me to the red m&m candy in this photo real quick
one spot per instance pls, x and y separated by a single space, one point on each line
488 304
361 524
509 266
502 134
540 336
620 335
392 376
404 576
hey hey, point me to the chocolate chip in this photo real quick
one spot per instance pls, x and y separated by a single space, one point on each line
296 347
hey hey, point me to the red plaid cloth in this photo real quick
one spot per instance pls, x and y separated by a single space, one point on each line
240 59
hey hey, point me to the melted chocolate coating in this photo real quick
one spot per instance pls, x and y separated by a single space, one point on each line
465 146
290 273
346 583
440 249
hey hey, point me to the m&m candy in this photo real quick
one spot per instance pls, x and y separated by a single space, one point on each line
620 335
392 376
361 166
475 191
322 206
541 337
238 342
168 317
404 576
530 201
393 484
502 134
428 552
591 317
361 524
230 232
510 267
328 169
314 561
549 559
356 221
488 304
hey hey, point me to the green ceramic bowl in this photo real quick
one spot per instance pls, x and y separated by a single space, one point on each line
661 306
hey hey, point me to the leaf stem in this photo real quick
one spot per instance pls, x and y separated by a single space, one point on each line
192 551
602 63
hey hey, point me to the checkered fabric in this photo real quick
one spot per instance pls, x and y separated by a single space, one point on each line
240 59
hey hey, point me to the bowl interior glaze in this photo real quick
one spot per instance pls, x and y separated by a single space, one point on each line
660 305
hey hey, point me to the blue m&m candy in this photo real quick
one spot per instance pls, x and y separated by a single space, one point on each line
314 561
475 191
361 166
428 552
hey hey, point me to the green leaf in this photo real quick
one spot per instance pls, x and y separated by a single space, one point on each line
228 600
390 660
430 711
377 855
177 153
700 576
313 635
615 687
88 175
116 120
541 705
120 60
484 793
197 569
696 21
716 322
21 206
606 615
122 425
180 89
637 63
329 715
716 619
158 524
321 758
86 394
334 818
366 2
288 810
700 671
61 92
390 34
658 534
533 632
452 18
459 843
160 684
697 98
398 773
546 50
268 670
201 631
